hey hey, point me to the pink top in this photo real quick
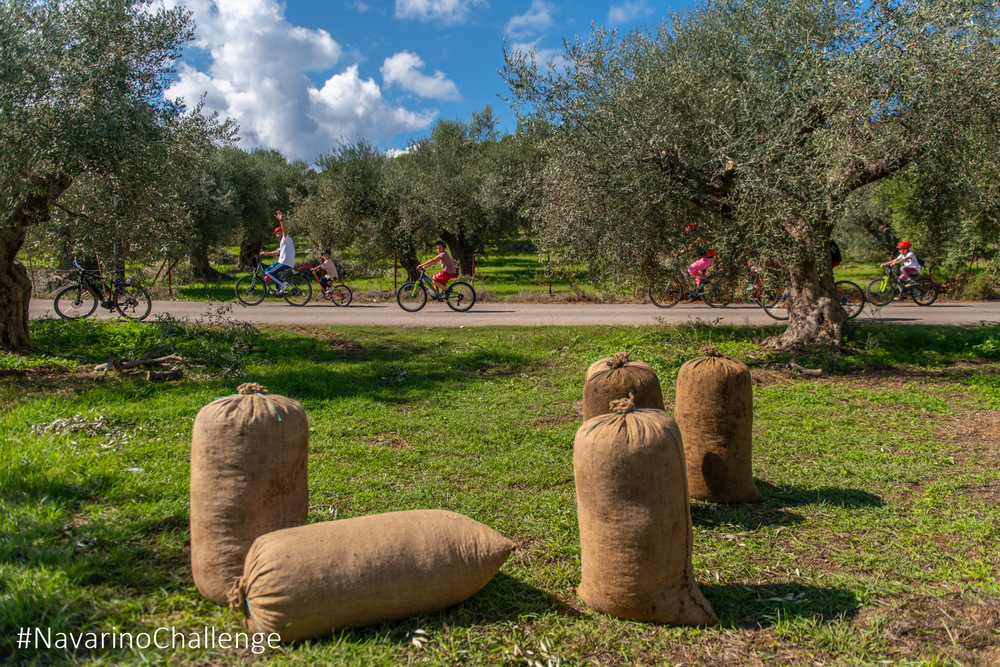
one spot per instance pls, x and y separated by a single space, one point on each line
447 263
700 265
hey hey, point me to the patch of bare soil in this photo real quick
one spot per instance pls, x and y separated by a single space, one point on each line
389 439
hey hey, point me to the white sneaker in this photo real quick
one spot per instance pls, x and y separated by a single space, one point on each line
281 290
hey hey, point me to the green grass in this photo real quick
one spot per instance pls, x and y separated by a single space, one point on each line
876 542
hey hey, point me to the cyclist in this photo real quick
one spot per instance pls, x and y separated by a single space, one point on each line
330 272
698 268
911 263
447 271
285 253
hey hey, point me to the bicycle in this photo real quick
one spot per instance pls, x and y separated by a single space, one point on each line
881 291
676 287
80 299
253 287
339 294
412 296
850 295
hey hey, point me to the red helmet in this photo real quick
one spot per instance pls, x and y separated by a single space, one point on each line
277 230
903 245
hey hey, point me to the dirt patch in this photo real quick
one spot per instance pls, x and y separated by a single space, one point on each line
390 439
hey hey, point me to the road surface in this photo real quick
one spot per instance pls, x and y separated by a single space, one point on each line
541 314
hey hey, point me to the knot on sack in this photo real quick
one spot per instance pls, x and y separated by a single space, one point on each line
248 388
710 352
623 405
618 360
235 596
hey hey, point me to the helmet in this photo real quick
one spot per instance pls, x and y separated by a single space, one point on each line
326 252
903 245
277 230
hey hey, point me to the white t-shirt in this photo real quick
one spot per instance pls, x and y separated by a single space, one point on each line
910 260
329 267
286 251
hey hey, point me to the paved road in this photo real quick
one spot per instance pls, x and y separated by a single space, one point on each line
536 314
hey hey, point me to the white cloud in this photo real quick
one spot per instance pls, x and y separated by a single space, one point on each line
536 20
629 12
401 69
445 11
257 76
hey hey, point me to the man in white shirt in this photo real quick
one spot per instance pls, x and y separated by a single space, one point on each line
285 253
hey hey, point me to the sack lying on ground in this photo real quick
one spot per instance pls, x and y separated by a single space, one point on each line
312 580
714 409
635 519
249 455
617 377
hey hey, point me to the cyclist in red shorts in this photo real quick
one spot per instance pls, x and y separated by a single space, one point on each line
447 271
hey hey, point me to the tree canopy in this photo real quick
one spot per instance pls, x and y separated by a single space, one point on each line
82 106
760 121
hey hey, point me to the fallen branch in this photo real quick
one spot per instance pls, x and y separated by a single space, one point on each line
159 376
794 365
145 360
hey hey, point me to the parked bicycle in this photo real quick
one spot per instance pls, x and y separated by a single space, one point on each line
881 291
80 299
339 294
413 295
850 295
711 291
253 287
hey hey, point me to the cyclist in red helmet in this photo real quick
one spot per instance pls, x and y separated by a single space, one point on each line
285 253
911 264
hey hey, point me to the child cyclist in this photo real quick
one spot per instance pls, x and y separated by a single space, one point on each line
698 268
911 264
285 253
329 270
447 271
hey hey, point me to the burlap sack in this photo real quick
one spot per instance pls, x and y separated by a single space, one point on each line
249 454
315 579
714 409
617 377
635 519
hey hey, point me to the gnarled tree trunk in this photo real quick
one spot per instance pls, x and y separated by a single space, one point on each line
201 267
814 313
15 285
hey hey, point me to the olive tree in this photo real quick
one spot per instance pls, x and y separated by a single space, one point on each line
761 121
81 103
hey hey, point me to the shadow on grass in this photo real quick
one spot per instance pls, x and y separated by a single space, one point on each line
772 512
504 598
746 606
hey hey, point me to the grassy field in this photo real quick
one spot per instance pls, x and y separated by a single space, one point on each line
875 544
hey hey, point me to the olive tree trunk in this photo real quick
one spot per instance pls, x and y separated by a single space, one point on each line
814 312
15 285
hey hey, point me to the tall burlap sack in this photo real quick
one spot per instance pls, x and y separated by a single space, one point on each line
714 409
617 377
249 456
312 580
635 519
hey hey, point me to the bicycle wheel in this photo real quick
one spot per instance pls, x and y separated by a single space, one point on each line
411 297
717 296
340 295
133 302
851 296
298 291
249 290
880 291
924 291
668 295
460 296
75 302
776 305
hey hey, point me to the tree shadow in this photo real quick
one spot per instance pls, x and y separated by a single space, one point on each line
504 598
794 496
759 606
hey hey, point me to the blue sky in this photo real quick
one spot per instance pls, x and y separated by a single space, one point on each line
304 75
